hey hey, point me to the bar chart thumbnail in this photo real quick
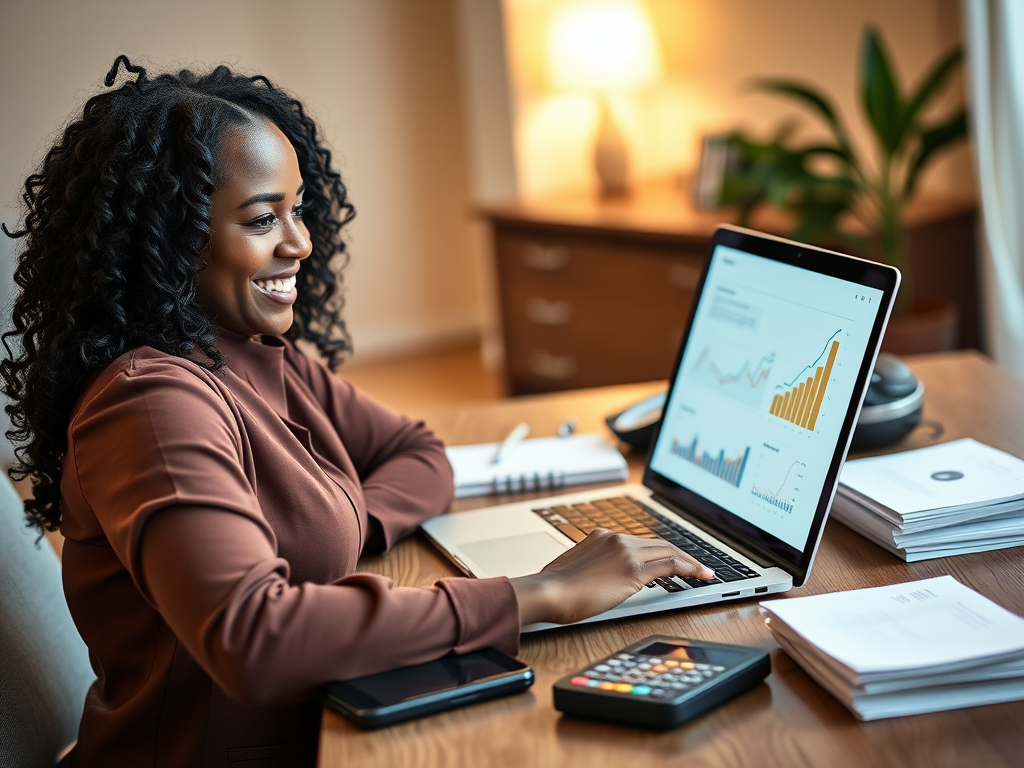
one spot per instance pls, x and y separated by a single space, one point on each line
775 496
728 468
800 404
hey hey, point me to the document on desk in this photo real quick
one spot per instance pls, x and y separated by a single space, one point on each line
540 464
921 646
949 477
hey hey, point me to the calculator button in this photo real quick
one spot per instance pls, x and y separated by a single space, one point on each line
602 667
719 669
644 667
629 664
606 686
594 684
614 662
580 680
623 688
653 661
641 690
625 656
670 663
699 666
687 664
659 693
659 668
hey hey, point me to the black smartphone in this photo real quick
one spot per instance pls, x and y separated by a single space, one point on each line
404 694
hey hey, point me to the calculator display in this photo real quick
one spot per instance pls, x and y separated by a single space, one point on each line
720 656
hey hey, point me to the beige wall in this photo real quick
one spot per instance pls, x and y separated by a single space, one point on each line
382 76
712 50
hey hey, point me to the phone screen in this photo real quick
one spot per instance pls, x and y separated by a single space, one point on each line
389 688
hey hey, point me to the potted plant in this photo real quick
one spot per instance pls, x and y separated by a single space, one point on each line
827 184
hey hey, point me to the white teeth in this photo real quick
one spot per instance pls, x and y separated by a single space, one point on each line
276 286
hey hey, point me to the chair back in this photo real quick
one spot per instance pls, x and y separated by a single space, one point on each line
44 665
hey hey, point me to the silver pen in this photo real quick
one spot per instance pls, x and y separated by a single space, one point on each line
510 443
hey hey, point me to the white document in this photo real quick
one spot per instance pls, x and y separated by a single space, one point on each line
902 630
946 476
539 464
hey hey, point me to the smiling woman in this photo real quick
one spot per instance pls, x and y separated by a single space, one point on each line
214 486
257 237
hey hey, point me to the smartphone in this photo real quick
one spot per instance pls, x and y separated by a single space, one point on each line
404 694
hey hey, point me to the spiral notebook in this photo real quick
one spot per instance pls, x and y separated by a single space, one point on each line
538 464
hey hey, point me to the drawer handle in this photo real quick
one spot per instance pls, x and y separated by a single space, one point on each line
683 276
548 258
552 366
548 312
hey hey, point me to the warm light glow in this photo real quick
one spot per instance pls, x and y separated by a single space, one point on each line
602 45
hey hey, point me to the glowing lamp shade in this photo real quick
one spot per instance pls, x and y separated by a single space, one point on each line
601 45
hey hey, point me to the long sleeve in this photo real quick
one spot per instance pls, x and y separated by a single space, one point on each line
246 548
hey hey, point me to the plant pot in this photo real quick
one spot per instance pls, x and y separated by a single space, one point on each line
933 326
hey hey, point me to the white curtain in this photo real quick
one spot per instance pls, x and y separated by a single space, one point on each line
995 65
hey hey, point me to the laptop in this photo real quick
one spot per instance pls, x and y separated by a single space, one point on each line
764 394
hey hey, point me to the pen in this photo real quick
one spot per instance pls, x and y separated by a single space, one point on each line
510 443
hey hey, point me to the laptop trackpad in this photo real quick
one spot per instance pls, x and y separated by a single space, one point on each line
514 555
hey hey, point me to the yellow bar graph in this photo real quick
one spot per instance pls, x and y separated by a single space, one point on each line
808 399
821 392
814 391
801 403
798 393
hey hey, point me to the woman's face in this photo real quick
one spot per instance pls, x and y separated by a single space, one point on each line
258 238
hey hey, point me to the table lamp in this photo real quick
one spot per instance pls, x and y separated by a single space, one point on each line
600 47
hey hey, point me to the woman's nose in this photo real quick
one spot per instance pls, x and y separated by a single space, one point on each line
296 243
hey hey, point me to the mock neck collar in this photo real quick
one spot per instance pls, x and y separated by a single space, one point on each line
259 360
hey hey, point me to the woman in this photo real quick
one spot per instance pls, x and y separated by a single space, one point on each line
215 487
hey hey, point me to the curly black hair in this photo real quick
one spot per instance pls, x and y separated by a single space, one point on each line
116 227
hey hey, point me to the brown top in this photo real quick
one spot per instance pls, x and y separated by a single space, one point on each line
213 523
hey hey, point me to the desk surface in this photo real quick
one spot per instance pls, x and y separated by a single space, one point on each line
790 721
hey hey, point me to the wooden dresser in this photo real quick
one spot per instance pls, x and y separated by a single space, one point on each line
597 291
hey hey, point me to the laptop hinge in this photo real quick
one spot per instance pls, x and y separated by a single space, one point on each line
762 559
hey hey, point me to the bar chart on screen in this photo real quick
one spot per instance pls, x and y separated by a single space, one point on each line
727 468
800 400
775 491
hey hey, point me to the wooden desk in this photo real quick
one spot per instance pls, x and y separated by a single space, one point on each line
790 721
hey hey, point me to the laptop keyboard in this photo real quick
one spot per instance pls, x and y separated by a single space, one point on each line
623 514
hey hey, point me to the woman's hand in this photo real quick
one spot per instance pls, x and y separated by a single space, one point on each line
597 574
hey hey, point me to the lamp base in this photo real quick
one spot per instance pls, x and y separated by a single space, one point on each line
611 160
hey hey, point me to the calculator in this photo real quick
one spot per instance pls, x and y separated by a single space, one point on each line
661 682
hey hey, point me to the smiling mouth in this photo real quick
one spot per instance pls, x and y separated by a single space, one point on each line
280 289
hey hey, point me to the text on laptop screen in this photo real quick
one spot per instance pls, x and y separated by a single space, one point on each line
763 388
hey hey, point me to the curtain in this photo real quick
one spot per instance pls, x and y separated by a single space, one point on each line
995 66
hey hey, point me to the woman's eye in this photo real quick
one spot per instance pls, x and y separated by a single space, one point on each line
266 220
297 211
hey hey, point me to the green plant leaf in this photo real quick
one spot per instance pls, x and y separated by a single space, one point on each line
930 85
819 103
932 140
880 94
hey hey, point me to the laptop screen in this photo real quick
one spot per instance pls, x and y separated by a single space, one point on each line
764 394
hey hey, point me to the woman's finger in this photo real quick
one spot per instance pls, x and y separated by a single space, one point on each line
681 566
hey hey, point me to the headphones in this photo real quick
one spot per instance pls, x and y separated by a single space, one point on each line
892 409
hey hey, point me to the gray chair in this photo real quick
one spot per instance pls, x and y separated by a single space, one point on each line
44 665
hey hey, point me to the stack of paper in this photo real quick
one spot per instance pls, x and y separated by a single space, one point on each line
539 464
906 649
948 499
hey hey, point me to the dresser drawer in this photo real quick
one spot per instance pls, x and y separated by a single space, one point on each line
589 311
